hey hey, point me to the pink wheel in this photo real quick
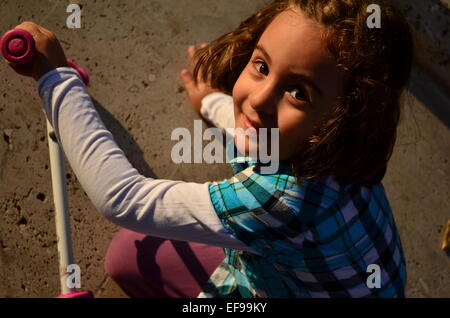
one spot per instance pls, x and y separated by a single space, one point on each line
17 46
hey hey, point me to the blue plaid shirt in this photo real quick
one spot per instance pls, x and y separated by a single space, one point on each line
313 240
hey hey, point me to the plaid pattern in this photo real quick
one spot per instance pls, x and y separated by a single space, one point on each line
313 240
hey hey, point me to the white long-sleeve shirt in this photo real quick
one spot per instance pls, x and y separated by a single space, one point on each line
158 207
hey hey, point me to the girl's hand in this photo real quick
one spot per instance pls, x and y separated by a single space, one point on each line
49 53
195 92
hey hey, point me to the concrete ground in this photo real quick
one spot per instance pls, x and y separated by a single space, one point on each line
133 51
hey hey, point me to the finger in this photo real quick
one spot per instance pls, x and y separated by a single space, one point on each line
46 32
204 44
42 29
19 69
49 34
191 51
28 26
31 28
188 81
35 30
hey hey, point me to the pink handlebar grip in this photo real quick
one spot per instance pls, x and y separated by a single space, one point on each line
84 75
18 47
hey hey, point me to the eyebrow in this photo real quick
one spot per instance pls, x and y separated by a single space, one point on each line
301 77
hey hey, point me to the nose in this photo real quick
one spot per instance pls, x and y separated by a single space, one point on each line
264 97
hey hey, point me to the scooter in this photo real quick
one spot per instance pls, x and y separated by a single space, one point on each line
18 47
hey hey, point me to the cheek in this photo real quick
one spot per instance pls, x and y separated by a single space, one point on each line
239 90
295 127
292 124
239 94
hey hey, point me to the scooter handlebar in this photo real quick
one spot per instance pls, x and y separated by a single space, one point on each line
18 47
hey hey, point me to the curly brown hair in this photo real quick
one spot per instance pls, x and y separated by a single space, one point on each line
355 143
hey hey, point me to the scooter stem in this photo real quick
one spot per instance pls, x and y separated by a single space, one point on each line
62 218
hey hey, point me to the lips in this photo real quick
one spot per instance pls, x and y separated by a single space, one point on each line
249 124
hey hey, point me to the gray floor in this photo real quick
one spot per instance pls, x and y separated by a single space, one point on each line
133 51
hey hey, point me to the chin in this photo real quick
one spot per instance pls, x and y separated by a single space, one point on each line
245 146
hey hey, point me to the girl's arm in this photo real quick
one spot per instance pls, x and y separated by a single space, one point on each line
163 208
218 109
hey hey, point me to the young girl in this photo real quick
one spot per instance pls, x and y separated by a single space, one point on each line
321 226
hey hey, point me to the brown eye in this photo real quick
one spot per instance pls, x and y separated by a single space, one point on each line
263 69
299 94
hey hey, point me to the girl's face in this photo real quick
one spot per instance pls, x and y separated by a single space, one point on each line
291 82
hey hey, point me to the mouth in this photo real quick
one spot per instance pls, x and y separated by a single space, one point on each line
249 124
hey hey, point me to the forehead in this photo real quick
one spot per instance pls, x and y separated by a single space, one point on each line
295 41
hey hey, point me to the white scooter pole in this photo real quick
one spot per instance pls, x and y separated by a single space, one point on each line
62 218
